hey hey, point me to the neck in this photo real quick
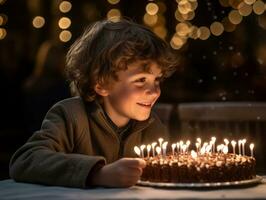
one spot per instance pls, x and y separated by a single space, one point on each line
116 118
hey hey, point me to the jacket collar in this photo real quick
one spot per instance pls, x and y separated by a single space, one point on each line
96 112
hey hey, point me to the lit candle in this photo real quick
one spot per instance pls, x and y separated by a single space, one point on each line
148 149
193 154
233 143
160 142
213 139
181 146
137 150
153 148
164 148
173 149
226 141
197 147
142 147
225 149
187 143
251 146
243 146
199 141
177 147
158 151
239 147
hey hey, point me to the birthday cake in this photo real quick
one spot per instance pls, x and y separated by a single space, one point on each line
202 166
183 168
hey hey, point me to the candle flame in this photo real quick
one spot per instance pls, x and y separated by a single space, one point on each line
199 140
193 154
142 147
173 146
187 142
137 150
165 145
244 141
148 147
213 139
225 149
226 141
153 144
160 140
158 150
233 143
251 146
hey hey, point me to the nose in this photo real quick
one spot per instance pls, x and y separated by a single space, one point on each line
153 89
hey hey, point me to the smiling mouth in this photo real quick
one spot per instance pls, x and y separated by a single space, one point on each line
147 105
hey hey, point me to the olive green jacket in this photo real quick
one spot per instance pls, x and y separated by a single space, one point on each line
74 137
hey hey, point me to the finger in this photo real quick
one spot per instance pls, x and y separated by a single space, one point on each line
134 162
135 171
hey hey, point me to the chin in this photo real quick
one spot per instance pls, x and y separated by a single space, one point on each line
143 117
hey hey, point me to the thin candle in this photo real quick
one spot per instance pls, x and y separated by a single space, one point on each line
251 146
213 139
137 150
160 142
158 151
148 149
243 146
197 147
142 147
233 143
153 148
199 141
239 147
164 148
173 149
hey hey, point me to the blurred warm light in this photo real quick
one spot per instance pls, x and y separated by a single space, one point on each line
177 42
224 3
150 20
194 33
258 7
228 26
184 6
113 1
217 28
3 19
249 2
64 23
244 9
2 33
189 16
262 20
162 7
235 17
182 29
235 3
161 19
204 32
179 16
194 4
2 2
160 31
261 55
65 36
65 6
152 8
38 22
114 14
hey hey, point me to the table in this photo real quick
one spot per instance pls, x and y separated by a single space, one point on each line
13 190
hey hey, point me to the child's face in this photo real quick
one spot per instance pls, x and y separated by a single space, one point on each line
134 94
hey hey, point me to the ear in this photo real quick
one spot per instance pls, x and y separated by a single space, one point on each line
100 90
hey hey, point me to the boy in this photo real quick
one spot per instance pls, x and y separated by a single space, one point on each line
88 140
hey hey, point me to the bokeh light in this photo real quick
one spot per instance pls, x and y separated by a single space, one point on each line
38 22
64 23
65 36
3 33
65 6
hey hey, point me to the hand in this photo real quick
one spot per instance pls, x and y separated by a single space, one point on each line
121 173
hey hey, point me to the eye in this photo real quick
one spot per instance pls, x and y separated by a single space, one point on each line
141 80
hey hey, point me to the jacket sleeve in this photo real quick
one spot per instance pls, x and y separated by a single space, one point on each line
48 158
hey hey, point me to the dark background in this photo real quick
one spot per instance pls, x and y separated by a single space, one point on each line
229 67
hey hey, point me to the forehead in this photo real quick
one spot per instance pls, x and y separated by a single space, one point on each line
143 67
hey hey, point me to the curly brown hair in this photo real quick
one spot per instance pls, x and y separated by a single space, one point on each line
107 47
